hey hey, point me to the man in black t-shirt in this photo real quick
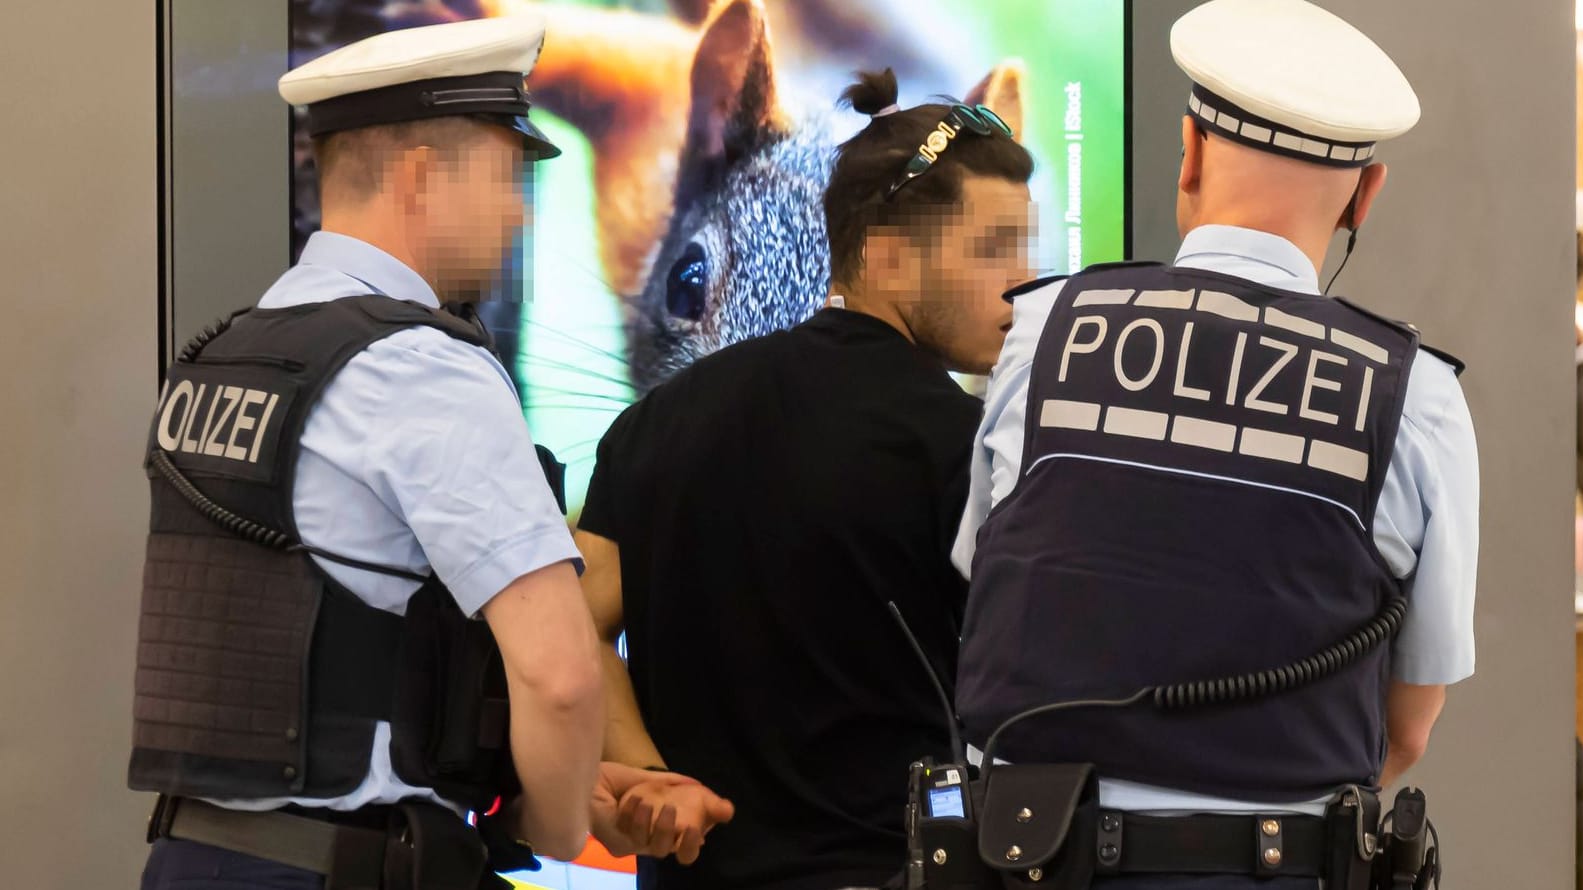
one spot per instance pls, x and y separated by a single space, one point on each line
749 520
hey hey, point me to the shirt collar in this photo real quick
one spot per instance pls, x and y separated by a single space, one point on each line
836 318
370 265
1257 256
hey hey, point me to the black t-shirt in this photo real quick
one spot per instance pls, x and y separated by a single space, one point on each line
768 501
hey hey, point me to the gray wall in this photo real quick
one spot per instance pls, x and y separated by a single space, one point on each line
1472 241
1159 96
228 131
77 246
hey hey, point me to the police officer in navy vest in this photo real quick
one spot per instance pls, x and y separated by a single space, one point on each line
1210 469
361 614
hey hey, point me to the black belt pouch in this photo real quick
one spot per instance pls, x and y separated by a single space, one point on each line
1038 825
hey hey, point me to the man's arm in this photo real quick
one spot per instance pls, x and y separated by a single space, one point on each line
1410 714
551 659
626 738
670 813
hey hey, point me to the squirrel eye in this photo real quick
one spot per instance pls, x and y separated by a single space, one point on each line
686 285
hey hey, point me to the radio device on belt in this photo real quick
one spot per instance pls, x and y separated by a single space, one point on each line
1040 824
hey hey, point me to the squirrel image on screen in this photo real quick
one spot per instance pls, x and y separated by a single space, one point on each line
710 158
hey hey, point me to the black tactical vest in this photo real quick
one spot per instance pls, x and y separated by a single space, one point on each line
1201 465
258 675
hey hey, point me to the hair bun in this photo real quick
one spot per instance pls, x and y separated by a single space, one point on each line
874 92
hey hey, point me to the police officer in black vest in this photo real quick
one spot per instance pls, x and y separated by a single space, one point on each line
361 615
1211 470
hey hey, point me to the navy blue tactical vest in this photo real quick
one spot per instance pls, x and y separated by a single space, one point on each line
1200 470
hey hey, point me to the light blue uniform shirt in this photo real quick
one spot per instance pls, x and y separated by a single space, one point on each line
1425 524
416 457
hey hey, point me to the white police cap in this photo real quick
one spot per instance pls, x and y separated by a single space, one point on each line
460 68
1291 78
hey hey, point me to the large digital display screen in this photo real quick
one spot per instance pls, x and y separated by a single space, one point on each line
612 89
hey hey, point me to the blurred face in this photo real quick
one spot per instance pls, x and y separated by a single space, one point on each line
971 255
471 208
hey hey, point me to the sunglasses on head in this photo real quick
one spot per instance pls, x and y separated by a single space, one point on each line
974 118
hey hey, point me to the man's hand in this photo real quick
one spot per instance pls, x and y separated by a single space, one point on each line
615 780
654 813
674 816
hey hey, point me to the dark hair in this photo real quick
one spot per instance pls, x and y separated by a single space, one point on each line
869 163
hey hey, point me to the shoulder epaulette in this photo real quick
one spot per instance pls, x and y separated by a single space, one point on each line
1457 365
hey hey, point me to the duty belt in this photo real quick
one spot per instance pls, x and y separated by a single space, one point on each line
1257 845
407 846
353 856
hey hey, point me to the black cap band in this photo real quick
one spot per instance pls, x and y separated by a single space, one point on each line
497 96
499 92
1226 119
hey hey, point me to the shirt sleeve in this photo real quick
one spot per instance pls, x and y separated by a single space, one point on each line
453 457
997 452
1431 503
602 504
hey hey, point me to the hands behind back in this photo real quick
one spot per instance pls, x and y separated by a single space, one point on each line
655 814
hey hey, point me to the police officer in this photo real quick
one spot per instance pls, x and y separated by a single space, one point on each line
361 612
1206 469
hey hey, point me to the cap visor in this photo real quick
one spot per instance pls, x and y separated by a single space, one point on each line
533 140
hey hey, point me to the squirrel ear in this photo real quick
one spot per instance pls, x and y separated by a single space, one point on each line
620 78
1001 91
693 12
733 82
